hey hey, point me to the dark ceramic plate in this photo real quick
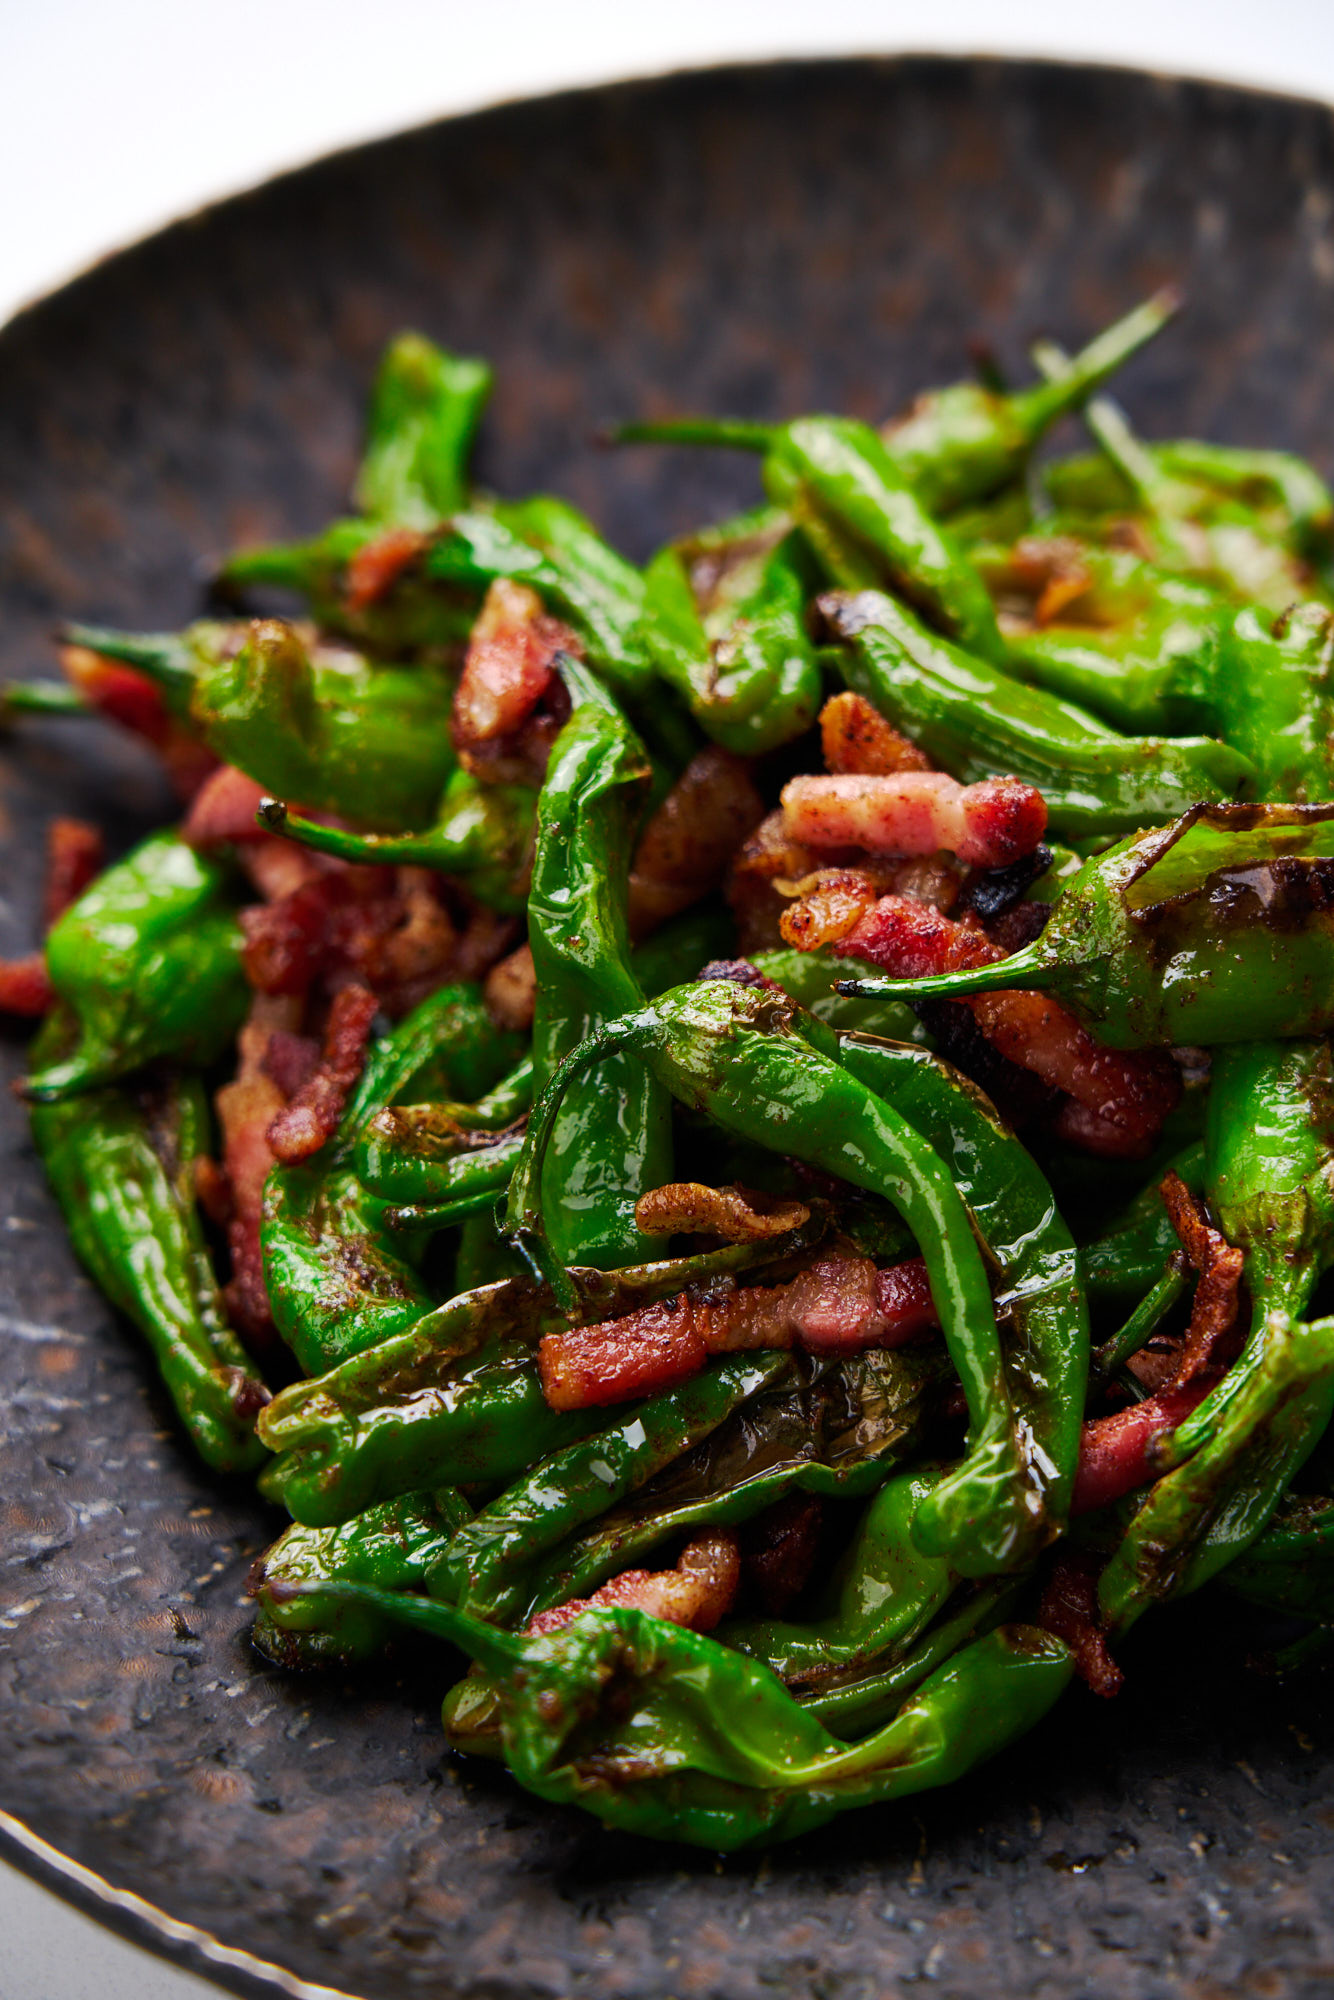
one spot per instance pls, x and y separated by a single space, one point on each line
756 241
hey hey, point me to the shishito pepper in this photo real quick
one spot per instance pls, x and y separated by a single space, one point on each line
424 411
392 1547
1215 929
745 666
121 1162
1269 1175
1040 1295
487 1566
664 1732
148 961
1253 523
975 721
613 1139
772 1074
960 444
481 832
455 1398
340 1278
306 720
862 519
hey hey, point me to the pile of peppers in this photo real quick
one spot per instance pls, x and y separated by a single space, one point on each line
713 1328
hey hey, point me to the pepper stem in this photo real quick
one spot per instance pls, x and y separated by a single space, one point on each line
1070 380
1021 969
728 433
501 1652
428 849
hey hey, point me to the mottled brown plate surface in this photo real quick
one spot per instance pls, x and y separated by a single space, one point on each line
753 241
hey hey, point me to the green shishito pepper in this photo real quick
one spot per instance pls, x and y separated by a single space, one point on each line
975 720
1040 1295
661 1731
121 1163
746 668
1250 522
455 1398
392 1547
482 832
958 445
425 408
148 961
1269 1177
865 523
773 1075
613 1140
487 1568
307 721
339 1276
1214 929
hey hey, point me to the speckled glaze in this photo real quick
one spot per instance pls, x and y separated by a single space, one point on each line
755 242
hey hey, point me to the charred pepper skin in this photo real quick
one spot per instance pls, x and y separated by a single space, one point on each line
148 963
1215 929
773 1772
761 1068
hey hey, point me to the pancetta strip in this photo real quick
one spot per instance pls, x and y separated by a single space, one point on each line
839 1305
696 1594
1128 1093
312 1116
988 825
689 843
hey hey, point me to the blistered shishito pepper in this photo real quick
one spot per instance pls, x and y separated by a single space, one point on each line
481 832
487 1568
425 408
122 1163
976 721
884 1595
613 1140
832 1426
148 962
1269 1176
959 444
1268 690
1226 1468
865 523
1137 645
1251 522
1290 1567
769 1072
1040 1295
1214 929
310 722
391 1547
424 411
455 1398
745 667
661 1731
340 1278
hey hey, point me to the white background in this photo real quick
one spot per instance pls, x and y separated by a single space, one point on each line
116 115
